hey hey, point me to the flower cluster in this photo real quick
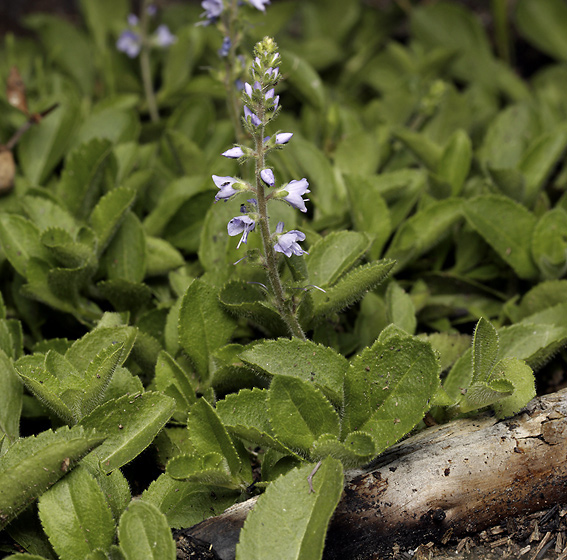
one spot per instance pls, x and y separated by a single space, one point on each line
261 106
130 40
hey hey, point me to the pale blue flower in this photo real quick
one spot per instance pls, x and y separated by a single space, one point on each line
283 137
233 153
267 175
243 225
225 184
213 9
163 37
288 242
129 43
295 190
151 10
259 4
253 117
133 20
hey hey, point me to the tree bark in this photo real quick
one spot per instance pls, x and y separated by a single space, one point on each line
461 477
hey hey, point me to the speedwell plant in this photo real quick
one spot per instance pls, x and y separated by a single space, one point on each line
308 320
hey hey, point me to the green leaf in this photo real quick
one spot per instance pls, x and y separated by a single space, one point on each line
98 376
455 162
322 366
48 388
508 136
334 255
303 78
85 349
143 532
543 23
76 517
67 46
131 423
44 213
299 413
534 343
125 257
204 325
482 394
249 300
484 350
400 308
206 469
427 151
549 243
109 213
245 415
388 388
43 146
33 464
360 152
507 227
20 240
117 124
208 435
424 230
289 521
522 378
161 257
100 17
369 212
541 158
80 184
11 397
357 449
172 380
185 503
350 288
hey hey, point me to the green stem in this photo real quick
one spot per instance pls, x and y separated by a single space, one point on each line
145 64
283 305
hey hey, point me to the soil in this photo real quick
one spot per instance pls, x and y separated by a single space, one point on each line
538 536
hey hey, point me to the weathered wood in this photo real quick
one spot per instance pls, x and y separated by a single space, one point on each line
462 477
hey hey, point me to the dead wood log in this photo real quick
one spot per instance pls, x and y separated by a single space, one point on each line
461 477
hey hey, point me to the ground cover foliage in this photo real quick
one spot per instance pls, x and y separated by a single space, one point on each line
434 281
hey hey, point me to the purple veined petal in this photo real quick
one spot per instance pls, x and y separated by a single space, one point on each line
133 20
233 153
129 43
248 89
241 224
279 227
259 4
295 190
269 94
267 175
254 118
225 185
288 243
276 102
283 137
257 61
164 37
257 85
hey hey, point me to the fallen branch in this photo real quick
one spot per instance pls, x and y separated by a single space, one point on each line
456 478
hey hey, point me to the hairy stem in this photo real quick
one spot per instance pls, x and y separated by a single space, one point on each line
283 304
